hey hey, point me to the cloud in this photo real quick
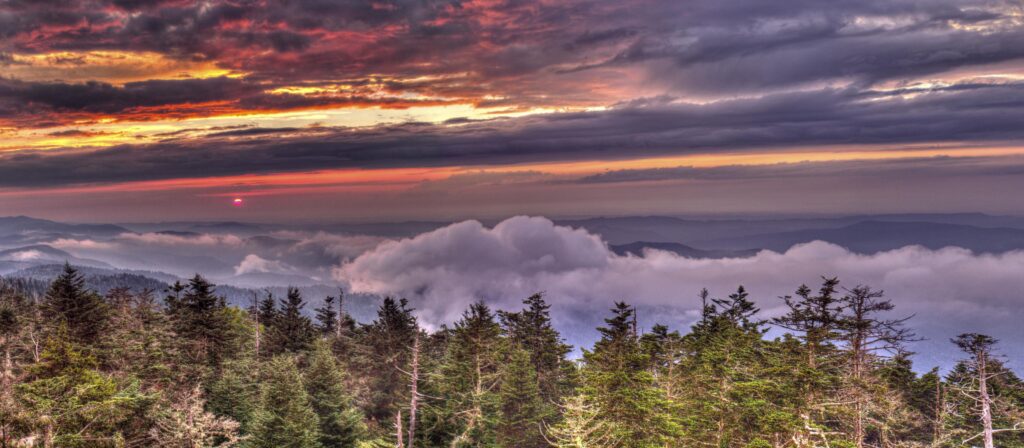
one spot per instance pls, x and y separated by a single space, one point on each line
972 113
949 290
938 166
181 238
539 53
253 263
26 255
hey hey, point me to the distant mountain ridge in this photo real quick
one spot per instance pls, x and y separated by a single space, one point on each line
101 280
682 250
875 236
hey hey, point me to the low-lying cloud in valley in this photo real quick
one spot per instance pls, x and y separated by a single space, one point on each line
442 268
948 291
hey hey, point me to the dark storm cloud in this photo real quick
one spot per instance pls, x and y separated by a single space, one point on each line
913 166
516 49
21 102
106 98
964 113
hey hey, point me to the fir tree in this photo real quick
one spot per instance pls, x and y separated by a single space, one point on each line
616 380
285 418
200 316
523 410
816 318
235 392
69 303
469 376
292 332
327 318
73 404
386 352
532 330
341 423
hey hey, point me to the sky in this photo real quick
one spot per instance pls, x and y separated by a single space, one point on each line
311 110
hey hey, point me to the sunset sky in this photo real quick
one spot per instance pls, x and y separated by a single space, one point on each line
145 110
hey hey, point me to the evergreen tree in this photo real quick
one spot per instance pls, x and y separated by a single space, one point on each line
867 338
73 404
139 340
327 318
523 410
469 377
532 330
730 387
617 382
386 352
816 318
69 303
581 426
291 331
285 418
235 392
201 317
988 399
341 423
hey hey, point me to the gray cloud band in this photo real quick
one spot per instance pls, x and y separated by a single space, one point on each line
962 113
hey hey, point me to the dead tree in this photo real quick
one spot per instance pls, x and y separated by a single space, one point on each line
979 349
868 337
414 400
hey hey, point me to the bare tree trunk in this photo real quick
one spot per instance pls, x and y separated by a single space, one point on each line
48 435
986 402
256 316
414 401
858 374
939 409
398 429
341 317
7 376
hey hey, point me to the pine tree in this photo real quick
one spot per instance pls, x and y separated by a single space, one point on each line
523 411
729 385
201 317
816 319
581 426
990 407
341 423
82 311
386 352
532 330
139 340
292 332
470 377
867 338
327 318
285 418
235 392
73 403
616 380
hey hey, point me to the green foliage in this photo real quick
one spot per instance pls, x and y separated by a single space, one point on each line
69 303
341 423
532 330
617 382
469 377
289 331
201 318
73 404
385 352
127 372
523 411
235 391
285 418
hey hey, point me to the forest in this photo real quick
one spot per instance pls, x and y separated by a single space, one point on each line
182 368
